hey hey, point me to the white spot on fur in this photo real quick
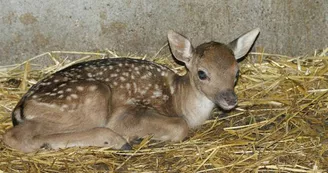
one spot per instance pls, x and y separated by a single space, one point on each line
115 83
142 92
126 74
172 89
65 79
157 93
68 98
128 86
80 88
156 86
74 96
147 88
90 79
134 87
163 73
68 90
144 77
165 97
89 75
113 75
93 88
60 92
64 107
61 96
62 85
122 79
56 80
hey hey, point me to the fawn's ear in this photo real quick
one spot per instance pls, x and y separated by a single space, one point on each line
181 47
243 44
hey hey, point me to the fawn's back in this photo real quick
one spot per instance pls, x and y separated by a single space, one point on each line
131 81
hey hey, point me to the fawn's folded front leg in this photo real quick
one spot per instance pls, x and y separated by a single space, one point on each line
140 122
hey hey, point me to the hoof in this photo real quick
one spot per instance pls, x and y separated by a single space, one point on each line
46 146
136 141
126 146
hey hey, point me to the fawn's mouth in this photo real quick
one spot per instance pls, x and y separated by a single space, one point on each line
226 100
224 105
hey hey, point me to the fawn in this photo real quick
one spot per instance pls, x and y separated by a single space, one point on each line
105 102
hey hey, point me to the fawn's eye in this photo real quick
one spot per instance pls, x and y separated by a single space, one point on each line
202 75
237 75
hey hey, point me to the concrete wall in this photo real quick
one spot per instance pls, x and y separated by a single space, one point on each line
31 27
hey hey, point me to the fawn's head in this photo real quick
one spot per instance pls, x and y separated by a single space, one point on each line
213 67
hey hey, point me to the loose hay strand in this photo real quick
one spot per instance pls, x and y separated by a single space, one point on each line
280 124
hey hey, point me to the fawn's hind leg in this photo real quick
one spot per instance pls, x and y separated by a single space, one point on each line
26 137
81 123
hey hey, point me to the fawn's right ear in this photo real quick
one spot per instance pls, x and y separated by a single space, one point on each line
181 47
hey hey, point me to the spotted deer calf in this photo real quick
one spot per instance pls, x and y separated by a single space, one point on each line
105 102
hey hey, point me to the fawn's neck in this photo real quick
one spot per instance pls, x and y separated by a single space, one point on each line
189 102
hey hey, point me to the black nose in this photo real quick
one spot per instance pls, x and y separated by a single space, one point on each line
229 96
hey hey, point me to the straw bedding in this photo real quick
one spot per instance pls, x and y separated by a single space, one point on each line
280 124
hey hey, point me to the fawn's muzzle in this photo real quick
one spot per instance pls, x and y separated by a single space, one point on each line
226 99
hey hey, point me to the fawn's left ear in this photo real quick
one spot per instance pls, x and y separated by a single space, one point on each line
243 44
181 47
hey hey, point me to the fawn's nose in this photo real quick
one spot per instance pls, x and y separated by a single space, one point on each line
226 99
